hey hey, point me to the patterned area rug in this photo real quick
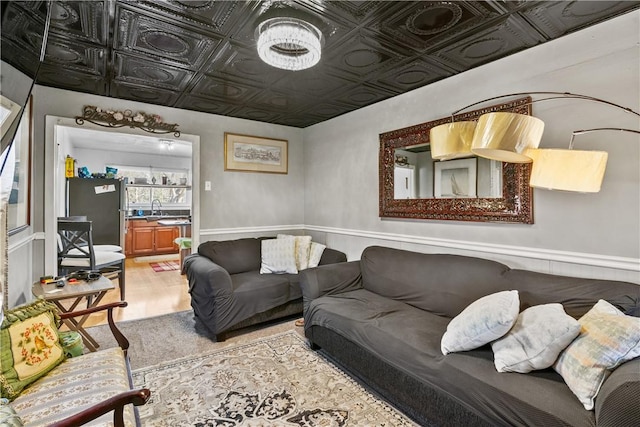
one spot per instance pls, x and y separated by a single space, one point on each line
165 266
274 381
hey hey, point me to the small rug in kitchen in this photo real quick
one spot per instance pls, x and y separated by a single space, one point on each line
165 266
273 381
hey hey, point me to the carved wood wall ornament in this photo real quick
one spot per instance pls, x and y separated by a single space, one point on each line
151 123
515 205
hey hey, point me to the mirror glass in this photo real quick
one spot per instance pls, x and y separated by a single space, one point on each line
414 185
416 172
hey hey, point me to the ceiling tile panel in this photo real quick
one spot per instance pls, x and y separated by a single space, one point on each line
144 71
223 90
53 75
81 20
414 74
149 35
192 102
508 37
143 93
559 18
425 25
365 54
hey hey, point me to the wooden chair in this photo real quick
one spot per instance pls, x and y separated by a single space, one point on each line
76 252
109 248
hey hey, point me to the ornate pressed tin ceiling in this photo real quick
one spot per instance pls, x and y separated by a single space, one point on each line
201 55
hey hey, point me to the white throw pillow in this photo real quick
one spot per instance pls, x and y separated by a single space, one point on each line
315 254
607 339
483 321
539 335
278 256
302 249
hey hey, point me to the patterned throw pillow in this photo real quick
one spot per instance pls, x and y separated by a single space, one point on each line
607 339
484 320
30 346
278 256
302 249
535 341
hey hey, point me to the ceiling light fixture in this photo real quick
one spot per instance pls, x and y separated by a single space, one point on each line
289 43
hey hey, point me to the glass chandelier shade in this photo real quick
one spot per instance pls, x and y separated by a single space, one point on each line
506 136
568 170
451 140
289 43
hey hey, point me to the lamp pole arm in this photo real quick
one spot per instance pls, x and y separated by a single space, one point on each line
558 95
583 131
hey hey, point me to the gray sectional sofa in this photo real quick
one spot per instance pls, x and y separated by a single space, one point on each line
383 317
228 292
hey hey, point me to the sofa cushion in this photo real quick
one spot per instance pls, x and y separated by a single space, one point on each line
607 339
235 256
253 293
75 385
438 283
408 339
30 346
539 335
483 321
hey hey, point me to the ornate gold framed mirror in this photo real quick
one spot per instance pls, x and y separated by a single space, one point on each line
413 185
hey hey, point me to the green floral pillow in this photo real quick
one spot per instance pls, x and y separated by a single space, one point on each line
30 346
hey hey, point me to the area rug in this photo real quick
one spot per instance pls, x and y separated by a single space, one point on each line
273 381
165 266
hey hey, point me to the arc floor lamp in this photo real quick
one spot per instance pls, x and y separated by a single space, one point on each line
514 138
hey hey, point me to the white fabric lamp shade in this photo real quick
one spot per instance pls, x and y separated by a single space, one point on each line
568 170
506 136
451 140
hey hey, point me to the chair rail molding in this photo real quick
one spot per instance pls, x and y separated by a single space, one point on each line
631 265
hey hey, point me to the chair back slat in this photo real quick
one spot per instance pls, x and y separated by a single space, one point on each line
76 241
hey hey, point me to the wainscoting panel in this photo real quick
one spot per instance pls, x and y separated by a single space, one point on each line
353 242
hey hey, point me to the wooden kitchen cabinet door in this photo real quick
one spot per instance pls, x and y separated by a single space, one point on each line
164 239
142 240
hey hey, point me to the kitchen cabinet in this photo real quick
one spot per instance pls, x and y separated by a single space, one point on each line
148 238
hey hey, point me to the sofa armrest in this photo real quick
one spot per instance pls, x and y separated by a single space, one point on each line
115 404
329 279
332 256
206 278
617 401
123 342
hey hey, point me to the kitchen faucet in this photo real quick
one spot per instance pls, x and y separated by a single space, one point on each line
153 211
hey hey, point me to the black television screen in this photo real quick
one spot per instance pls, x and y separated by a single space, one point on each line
23 34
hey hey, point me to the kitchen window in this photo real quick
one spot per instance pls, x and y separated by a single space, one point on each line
170 186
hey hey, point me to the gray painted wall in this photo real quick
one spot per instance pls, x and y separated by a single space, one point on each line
341 155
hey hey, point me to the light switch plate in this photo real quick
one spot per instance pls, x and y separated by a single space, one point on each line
207 186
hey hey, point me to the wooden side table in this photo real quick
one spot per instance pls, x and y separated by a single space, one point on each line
76 292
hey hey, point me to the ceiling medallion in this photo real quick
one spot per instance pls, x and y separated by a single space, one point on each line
151 123
289 43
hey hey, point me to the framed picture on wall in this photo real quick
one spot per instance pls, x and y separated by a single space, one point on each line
255 154
455 178
18 212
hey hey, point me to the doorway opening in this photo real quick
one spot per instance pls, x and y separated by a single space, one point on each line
169 168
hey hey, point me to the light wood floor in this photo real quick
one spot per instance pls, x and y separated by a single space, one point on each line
148 294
